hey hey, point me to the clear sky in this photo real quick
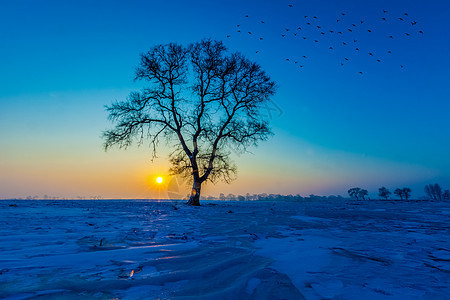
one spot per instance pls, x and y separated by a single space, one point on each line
335 128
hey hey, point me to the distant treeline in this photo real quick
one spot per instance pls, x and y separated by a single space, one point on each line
270 197
432 191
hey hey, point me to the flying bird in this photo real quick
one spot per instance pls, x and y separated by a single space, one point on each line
378 60
283 35
370 53
362 21
391 37
262 22
361 73
322 33
406 14
308 23
246 16
413 23
385 11
343 14
331 31
420 31
384 19
400 19
331 48
407 34
357 49
369 30
318 26
345 58
304 37
314 17
228 36
344 43
304 56
389 51
401 66
249 32
337 20
349 30
299 28
260 39
353 25
290 5
340 32
316 41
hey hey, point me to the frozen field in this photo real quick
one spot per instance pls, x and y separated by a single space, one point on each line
224 250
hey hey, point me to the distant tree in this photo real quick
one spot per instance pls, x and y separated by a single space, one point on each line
354 192
446 195
406 193
384 193
203 100
399 192
363 193
438 191
434 191
231 197
429 191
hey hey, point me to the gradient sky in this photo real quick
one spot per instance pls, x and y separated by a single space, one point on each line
62 61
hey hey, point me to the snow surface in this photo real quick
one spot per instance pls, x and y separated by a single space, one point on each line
114 249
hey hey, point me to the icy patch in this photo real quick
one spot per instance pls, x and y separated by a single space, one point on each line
298 258
252 284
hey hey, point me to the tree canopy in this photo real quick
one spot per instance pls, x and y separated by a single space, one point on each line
203 101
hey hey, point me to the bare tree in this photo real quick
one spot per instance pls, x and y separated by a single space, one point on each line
406 192
446 195
434 191
438 191
363 193
399 192
354 192
203 101
384 193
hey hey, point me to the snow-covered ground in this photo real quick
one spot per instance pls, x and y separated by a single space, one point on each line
224 250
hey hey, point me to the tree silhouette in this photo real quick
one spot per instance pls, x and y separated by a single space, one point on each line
434 191
354 192
406 192
384 193
399 192
203 101
363 193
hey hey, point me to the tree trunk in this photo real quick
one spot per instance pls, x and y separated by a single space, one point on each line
194 199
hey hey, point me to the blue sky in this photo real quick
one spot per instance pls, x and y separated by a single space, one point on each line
62 61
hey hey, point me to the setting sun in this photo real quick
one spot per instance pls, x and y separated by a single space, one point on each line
159 180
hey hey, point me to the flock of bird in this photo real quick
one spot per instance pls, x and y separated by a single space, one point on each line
343 35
